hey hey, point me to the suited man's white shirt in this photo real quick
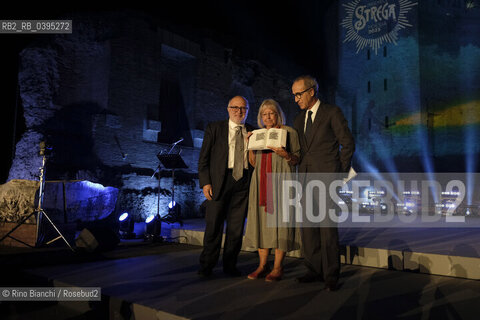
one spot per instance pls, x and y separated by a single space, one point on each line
232 128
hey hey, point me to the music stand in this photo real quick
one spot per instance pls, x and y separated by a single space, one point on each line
170 161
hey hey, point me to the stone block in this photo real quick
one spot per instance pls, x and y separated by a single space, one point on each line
64 201
154 125
89 201
368 257
17 200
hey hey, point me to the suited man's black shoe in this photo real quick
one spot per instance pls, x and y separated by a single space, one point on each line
309 277
232 272
204 273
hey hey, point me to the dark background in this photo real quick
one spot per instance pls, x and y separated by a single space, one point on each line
295 32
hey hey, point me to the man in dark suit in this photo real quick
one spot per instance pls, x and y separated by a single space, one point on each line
327 146
224 176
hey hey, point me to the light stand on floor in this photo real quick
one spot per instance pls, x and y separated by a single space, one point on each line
39 211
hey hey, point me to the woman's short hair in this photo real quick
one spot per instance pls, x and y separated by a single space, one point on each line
270 104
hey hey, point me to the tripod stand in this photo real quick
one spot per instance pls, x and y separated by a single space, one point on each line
40 212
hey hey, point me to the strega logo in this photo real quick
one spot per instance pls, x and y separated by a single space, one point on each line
373 23
376 14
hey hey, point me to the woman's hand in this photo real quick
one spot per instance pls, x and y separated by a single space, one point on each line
281 152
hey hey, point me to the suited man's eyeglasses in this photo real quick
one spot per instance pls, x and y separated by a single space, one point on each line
298 95
238 109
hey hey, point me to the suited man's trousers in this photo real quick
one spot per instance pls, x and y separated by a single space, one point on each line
231 207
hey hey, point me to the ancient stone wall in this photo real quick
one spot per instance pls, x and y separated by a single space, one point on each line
117 91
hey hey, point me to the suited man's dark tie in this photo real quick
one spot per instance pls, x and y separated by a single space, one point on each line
308 128
238 160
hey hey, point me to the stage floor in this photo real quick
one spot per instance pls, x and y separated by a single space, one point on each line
159 281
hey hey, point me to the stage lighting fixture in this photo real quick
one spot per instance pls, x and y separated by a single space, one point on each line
149 218
174 213
153 228
126 226
123 216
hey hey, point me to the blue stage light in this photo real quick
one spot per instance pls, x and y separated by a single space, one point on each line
126 226
123 216
172 204
153 228
150 218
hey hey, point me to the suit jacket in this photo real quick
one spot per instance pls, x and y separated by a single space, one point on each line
322 152
213 159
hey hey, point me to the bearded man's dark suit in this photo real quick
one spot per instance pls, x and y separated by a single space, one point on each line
229 200
321 152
